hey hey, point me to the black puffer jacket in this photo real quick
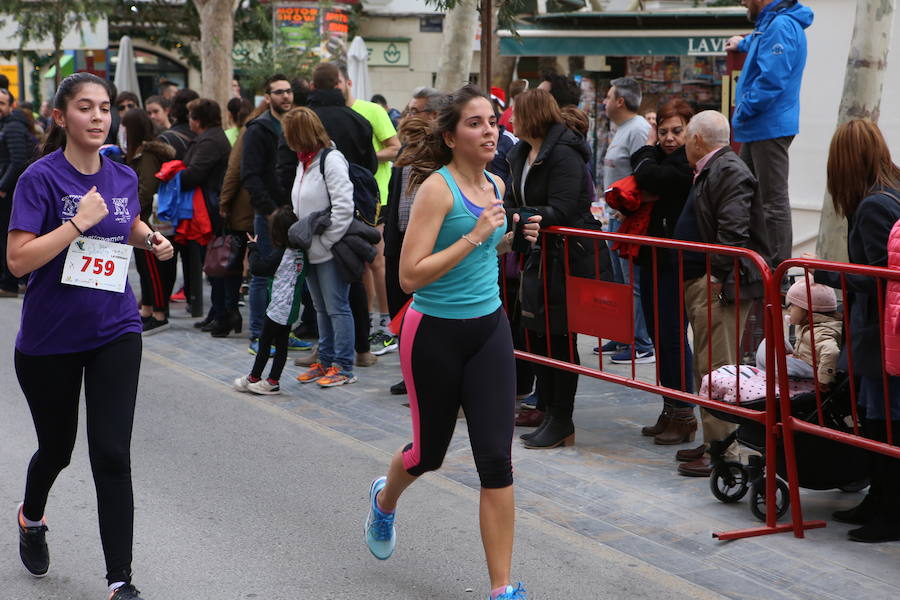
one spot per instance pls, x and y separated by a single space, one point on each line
558 187
729 211
206 161
349 130
17 149
258 175
669 177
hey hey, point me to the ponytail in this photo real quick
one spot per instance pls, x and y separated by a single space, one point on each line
575 119
431 152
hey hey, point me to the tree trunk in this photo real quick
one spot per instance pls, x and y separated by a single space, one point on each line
456 46
863 83
216 48
503 66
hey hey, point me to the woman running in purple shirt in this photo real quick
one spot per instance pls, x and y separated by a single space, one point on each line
74 217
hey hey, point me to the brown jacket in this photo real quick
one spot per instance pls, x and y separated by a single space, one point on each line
234 200
827 335
146 163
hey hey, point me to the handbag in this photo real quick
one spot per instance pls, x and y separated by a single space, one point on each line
224 256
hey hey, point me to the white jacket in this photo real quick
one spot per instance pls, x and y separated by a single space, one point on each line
310 194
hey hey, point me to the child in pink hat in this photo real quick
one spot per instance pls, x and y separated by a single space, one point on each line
822 319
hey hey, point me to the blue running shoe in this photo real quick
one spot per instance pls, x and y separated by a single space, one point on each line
517 593
254 348
295 343
381 537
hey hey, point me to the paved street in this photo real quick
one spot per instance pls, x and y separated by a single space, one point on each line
247 497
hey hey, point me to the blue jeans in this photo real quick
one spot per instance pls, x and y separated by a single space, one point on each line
330 295
622 274
259 286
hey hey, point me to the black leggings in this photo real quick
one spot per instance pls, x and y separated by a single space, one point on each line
451 362
157 280
52 386
272 333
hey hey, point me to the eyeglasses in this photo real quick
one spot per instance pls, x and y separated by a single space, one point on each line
126 106
281 92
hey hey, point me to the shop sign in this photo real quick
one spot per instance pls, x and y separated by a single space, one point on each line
555 44
388 53
705 46
296 20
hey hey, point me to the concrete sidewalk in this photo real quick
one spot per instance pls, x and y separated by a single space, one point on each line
614 487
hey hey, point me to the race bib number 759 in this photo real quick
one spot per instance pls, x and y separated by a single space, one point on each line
97 264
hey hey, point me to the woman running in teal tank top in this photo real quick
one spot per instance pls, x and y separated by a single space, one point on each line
455 345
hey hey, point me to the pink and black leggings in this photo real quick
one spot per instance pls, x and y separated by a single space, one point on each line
448 363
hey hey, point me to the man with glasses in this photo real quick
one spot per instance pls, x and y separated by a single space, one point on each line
425 103
258 176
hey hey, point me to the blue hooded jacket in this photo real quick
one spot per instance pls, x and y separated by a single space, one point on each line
767 102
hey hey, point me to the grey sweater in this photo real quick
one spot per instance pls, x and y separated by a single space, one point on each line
311 193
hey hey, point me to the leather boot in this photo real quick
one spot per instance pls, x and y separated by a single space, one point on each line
687 455
681 428
529 417
531 434
661 423
232 321
557 432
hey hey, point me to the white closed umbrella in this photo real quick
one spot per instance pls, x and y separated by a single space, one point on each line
358 68
126 69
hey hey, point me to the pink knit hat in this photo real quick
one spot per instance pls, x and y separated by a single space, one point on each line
824 299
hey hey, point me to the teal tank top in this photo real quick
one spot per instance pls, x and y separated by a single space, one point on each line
470 289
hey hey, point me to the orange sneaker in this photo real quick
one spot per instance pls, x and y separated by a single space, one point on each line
335 376
315 372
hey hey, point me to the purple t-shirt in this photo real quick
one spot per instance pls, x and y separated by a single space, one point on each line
59 318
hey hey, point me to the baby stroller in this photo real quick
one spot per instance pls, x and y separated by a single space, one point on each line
822 464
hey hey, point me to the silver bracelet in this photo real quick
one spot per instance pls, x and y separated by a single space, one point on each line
465 236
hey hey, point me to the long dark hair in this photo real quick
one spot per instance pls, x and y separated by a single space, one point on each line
859 162
138 129
435 152
68 87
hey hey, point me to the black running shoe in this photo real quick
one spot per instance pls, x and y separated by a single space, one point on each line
126 592
33 547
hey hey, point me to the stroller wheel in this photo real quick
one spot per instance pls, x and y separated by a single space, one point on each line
758 498
856 486
728 482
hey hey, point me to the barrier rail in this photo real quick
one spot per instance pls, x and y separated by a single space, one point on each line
849 276
598 307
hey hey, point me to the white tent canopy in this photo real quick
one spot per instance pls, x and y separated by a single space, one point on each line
358 68
126 69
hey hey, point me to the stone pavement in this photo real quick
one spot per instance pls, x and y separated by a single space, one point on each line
614 487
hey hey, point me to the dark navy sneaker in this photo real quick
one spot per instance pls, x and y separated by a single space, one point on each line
125 592
33 546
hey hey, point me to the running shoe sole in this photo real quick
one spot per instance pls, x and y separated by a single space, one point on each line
385 349
346 381
638 361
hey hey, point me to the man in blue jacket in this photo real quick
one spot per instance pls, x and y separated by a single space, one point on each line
767 105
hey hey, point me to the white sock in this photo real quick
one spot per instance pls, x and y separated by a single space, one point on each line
30 523
385 320
373 319
114 586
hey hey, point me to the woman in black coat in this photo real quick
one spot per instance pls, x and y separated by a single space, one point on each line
864 184
206 161
664 176
549 175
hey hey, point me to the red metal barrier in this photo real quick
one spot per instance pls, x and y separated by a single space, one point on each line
875 279
588 298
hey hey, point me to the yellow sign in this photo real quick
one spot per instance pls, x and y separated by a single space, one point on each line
12 73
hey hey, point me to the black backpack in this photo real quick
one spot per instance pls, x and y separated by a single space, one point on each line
365 190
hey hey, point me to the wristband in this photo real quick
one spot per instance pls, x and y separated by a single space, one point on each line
77 228
465 236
